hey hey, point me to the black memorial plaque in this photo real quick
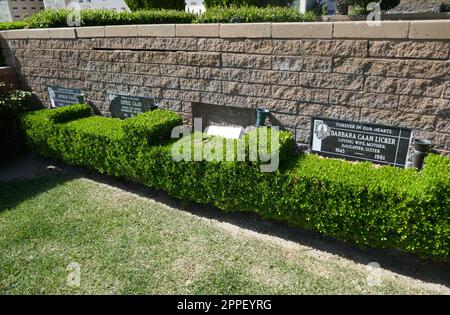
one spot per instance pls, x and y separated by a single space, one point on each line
61 96
125 106
360 141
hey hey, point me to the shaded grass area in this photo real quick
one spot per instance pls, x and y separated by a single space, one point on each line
126 244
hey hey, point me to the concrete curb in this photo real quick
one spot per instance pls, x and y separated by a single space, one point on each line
425 29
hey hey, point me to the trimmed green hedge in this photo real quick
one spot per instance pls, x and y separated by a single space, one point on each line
246 3
58 18
229 3
373 206
254 14
155 4
13 25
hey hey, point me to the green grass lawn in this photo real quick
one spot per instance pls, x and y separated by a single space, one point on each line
126 244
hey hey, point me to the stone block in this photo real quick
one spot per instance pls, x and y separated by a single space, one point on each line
331 81
302 30
199 59
156 30
62 33
304 64
409 49
398 118
247 30
361 99
121 31
90 32
431 29
197 30
246 61
371 29
423 105
200 85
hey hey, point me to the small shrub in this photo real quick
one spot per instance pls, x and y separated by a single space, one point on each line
39 127
58 18
68 113
341 7
370 206
48 18
15 102
360 6
275 3
253 14
135 5
11 105
94 142
357 11
245 3
13 25
228 3
151 127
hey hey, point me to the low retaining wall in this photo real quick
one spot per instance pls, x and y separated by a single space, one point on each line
396 73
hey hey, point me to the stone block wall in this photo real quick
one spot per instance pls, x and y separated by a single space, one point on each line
396 73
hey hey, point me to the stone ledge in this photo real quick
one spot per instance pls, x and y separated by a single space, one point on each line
90 31
3 35
370 30
26 34
62 33
197 30
156 30
439 29
302 30
426 29
121 31
247 30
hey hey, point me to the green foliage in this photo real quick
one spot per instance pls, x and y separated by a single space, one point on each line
68 113
228 3
151 127
341 7
371 206
58 18
94 142
39 126
357 11
11 105
275 3
14 103
360 6
135 5
253 14
13 25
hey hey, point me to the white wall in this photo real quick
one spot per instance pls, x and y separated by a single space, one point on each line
195 6
5 13
54 4
303 5
118 5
